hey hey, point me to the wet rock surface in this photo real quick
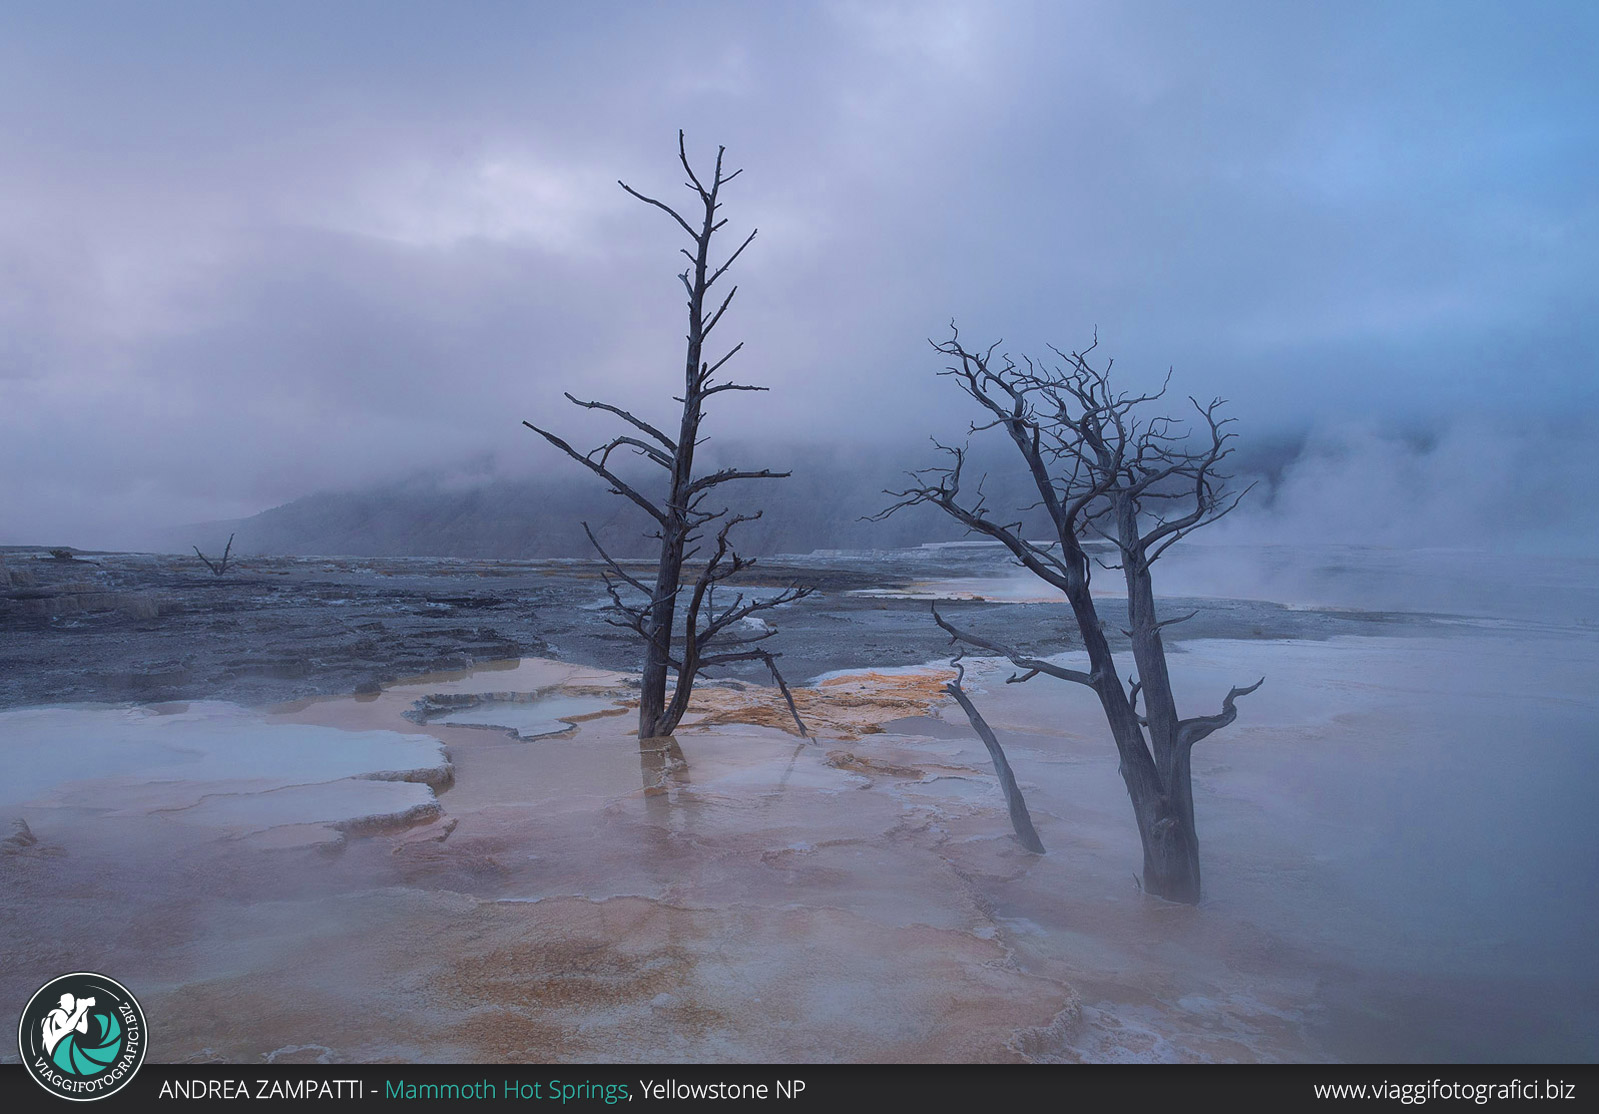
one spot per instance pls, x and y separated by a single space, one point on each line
150 628
114 627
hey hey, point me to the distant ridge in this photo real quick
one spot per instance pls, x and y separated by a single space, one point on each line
816 508
825 504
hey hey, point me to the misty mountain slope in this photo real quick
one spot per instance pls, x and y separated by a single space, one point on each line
1352 487
824 504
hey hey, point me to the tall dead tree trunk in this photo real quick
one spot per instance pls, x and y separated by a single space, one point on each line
1102 468
710 630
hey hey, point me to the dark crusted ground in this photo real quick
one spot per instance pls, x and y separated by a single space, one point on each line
116 627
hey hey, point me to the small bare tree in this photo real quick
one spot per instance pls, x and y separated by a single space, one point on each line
1102 467
217 567
688 517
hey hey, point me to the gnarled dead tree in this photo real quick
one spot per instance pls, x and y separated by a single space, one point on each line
1104 467
690 520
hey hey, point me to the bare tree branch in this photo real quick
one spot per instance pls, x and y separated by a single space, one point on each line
636 423
712 479
1021 821
720 387
600 470
615 568
1015 657
661 205
712 369
1191 731
723 268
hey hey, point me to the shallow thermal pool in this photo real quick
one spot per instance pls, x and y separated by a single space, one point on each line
210 764
1396 844
533 715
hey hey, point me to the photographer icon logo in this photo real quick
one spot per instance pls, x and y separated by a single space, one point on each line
82 1036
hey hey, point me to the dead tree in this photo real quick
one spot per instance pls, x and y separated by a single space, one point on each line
689 518
217 567
1103 467
1020 820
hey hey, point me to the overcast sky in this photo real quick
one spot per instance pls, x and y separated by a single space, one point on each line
252 251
